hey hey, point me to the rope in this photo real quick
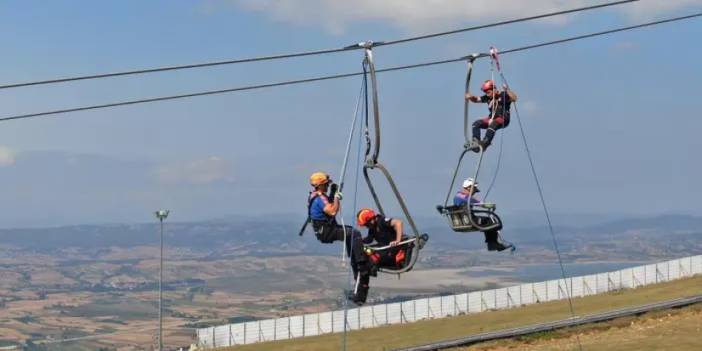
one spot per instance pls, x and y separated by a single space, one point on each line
497 167
345 163
546 211
350 280
494 62
305 53
336 76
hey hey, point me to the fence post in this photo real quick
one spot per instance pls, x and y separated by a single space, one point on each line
402 313
521 302
275 329
387 317
214 341
455 305
231 337
441 307
245 333
467 302
533 293
668 266
414 310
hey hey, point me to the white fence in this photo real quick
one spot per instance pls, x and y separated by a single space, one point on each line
444 306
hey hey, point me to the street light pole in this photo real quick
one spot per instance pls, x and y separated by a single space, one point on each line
161 215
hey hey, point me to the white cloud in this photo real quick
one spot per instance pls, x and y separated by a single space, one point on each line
7 156
204 171
416 15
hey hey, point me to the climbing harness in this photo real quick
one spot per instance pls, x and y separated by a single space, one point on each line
416 241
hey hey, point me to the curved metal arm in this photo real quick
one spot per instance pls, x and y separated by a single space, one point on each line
376 110
466 123
466 103
381 248
395 191
455 174
372 159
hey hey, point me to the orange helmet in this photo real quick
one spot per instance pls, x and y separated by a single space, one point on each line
364 216
319 178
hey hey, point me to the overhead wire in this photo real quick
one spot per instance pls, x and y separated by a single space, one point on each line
502 23
307 53
342 75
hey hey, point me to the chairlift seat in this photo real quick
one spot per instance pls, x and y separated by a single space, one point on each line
411 245
459 218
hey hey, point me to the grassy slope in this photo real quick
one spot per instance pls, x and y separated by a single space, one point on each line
675 329
394 336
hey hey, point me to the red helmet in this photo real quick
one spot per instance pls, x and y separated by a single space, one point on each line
364 216
488 85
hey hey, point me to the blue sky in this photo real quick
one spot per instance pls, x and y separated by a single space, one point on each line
613 121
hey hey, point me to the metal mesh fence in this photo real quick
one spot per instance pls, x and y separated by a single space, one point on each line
445 306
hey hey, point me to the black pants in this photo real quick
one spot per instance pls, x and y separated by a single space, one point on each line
490 235
328 233
498 122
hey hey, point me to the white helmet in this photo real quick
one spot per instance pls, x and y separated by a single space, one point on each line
469 182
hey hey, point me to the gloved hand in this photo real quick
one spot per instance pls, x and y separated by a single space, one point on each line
339 195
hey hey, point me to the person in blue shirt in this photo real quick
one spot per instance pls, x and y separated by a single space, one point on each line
469 195
499 104
322 214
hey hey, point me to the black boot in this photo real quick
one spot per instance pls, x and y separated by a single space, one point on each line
474 145
360 296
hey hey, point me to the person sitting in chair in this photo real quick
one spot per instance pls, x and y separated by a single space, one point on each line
382 232
466 196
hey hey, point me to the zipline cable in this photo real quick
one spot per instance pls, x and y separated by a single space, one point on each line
308 53
338 76
569 288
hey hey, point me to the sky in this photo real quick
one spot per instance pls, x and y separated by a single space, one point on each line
612 121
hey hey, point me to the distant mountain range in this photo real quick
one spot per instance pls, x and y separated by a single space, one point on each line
278 235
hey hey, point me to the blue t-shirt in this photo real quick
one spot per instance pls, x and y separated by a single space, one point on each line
317 207
461 199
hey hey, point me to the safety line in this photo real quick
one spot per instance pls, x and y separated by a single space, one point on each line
350 279
548 218
338 76
306 53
